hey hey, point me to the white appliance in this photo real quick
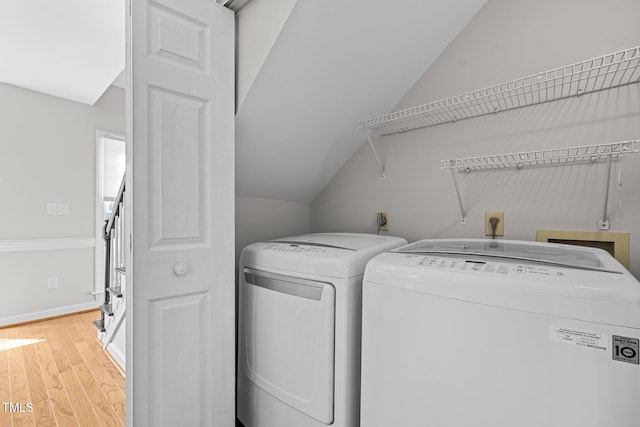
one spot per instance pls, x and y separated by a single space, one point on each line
299 329
480 333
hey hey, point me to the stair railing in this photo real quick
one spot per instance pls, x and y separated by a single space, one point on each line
112 233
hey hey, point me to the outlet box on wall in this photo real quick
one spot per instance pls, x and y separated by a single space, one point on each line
52 282
383 221
488 231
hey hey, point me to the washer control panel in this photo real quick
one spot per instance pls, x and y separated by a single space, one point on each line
477 266
290 247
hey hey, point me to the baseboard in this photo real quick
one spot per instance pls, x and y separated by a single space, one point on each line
45 314
117 357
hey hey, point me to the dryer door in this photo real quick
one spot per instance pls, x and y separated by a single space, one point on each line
287 339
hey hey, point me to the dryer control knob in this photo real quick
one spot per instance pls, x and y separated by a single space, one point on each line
180 268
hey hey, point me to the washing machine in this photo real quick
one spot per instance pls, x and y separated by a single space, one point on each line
485 333
299 323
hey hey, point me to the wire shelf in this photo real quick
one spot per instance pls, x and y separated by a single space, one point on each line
601 73
554 156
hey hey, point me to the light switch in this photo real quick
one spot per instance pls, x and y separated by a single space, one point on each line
54 208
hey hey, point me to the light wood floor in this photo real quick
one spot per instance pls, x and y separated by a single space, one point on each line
58 367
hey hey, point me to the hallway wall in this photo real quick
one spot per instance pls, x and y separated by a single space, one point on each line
47 154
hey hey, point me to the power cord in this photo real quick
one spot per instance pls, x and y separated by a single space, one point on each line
381 220
494 225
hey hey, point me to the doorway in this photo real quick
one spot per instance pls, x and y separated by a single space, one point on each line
110 168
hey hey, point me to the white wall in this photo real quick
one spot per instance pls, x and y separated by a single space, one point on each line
263 219
47 154
258 24
507 39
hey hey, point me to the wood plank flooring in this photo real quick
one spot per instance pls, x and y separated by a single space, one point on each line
55 373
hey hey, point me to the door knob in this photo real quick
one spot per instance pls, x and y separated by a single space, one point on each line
180 268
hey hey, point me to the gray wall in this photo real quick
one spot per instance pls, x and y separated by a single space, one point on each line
258 24
506 40
263 219
47 154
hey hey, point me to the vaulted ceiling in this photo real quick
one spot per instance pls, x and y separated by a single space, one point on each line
333 64
72 49
327 65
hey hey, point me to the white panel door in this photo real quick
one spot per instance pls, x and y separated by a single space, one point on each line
180 352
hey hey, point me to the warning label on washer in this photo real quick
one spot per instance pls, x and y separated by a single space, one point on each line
626 349
588 339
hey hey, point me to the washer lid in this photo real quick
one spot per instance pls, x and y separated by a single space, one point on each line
546 253
560 280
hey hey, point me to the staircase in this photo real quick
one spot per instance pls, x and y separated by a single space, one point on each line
111 325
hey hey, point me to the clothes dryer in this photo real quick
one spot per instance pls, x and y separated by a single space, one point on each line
299 329
499 334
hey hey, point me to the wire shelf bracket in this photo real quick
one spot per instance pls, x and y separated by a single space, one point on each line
593 75
549 157
463 211
375 153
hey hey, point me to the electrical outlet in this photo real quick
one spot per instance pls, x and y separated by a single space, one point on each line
488 231
383 221
52 282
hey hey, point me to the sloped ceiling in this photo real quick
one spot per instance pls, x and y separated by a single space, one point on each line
72 49
334 63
